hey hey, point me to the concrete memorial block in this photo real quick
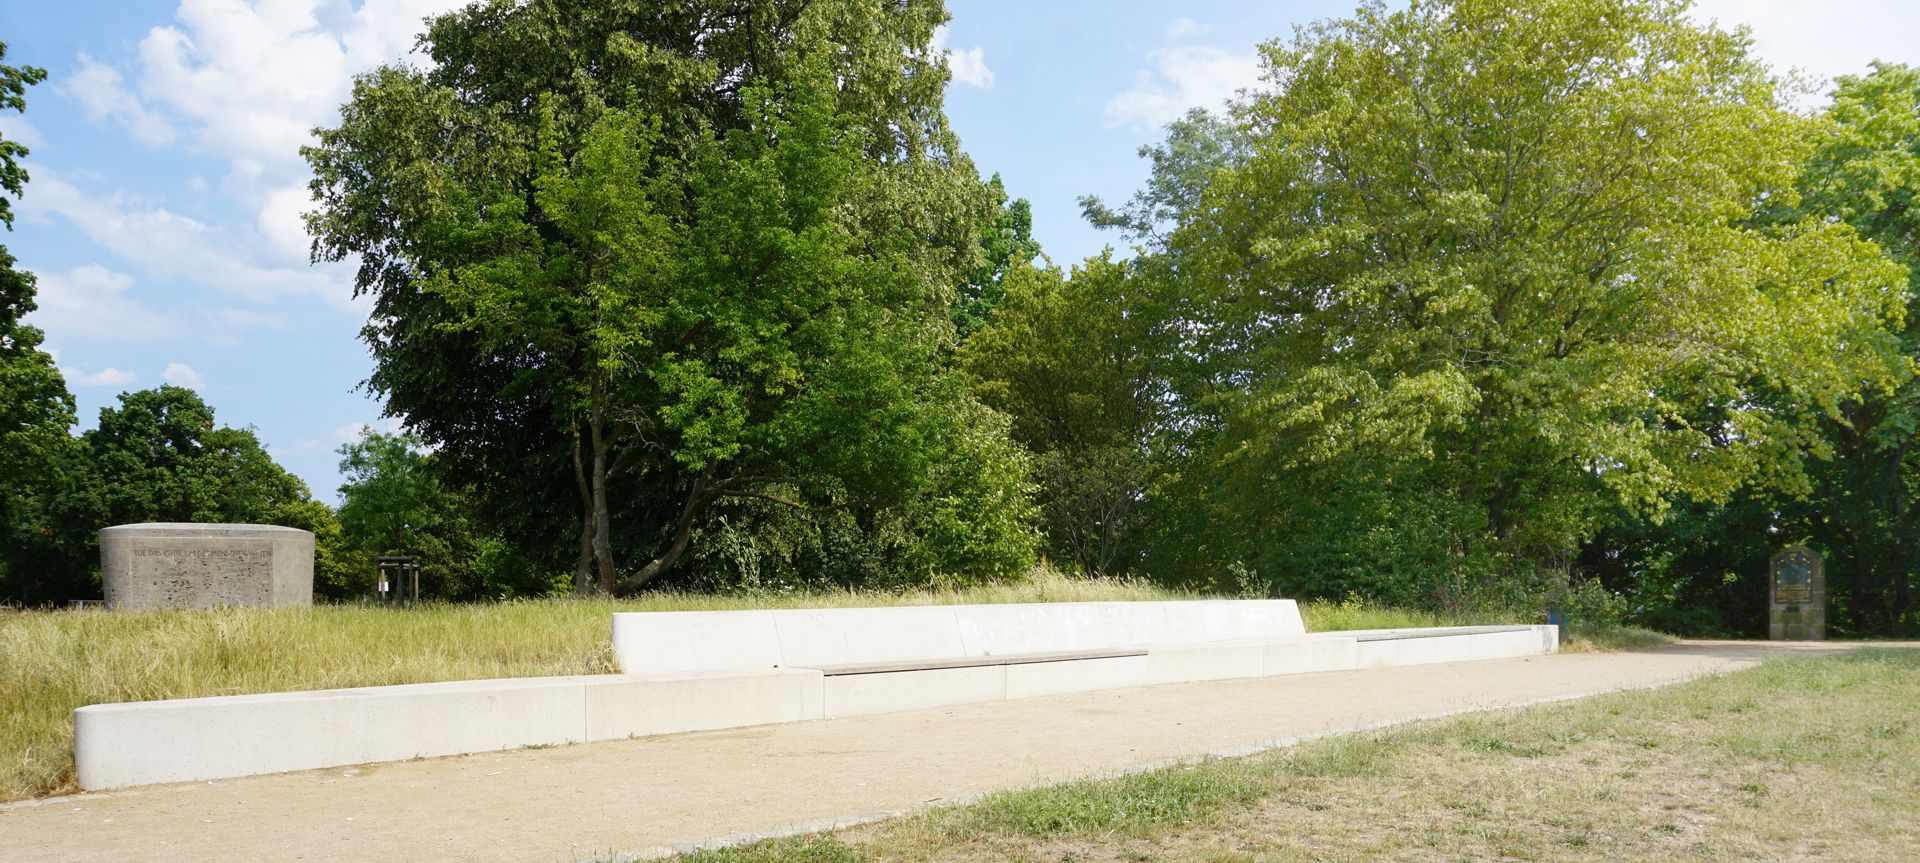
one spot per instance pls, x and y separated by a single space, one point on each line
164 565
1797 595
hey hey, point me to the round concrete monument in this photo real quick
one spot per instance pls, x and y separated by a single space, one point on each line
204 565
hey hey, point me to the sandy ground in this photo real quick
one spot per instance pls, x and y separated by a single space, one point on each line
643 797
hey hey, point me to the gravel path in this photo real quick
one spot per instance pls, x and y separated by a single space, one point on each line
642 797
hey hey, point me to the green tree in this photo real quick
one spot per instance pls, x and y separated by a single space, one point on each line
393 500
1197 147
637 262
1706 569
388 491
1005 245
1489 271
1864 505
159 456
1073 361
36 411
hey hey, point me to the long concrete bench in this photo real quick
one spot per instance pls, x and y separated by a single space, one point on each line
930 656
689 671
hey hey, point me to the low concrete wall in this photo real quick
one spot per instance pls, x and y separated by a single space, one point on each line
190 739
120 745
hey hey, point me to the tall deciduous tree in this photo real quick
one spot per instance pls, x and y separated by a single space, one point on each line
1706 570
1489 269
1864 507
1075 362
1004 246
656 257
36 450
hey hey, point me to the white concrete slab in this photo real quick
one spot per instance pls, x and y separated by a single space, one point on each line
992 630
860 694
140 743
1193 662
1287 656
1503 645
673 642
841 636
1334 653
703 670
628 705
1080 675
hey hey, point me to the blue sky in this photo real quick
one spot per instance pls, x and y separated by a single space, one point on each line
163 214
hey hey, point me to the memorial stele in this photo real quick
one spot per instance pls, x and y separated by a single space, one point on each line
166 565
1797 595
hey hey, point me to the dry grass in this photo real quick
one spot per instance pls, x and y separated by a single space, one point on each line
54 661
1795 760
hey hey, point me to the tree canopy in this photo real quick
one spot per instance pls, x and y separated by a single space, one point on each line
35 408
1466 280
718 266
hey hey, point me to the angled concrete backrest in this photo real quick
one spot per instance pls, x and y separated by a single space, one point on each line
673 642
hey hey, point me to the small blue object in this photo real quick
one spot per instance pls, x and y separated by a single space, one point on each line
1556 617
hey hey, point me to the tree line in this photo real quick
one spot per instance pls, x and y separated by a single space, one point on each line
1472 304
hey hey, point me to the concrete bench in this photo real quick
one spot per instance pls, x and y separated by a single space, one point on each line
690 671
876 660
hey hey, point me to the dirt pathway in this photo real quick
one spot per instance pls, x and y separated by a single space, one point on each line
632 798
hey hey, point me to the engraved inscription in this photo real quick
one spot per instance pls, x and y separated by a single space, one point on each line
201 577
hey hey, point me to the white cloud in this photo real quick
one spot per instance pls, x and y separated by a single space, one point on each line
352 431
245 81
1184 77
346 434
1186 28
253 78
1837 37
94 302
181 374
101 93
166 244
968 65
107 377
14 127
281 223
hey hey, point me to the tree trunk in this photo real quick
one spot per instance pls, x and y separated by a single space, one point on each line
583 584
602 522
704 492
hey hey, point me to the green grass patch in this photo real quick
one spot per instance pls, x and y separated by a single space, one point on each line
1813 759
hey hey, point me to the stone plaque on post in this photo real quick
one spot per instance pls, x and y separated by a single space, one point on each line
201 565
1797 595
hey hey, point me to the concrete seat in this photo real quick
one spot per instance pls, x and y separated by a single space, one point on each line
688 671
